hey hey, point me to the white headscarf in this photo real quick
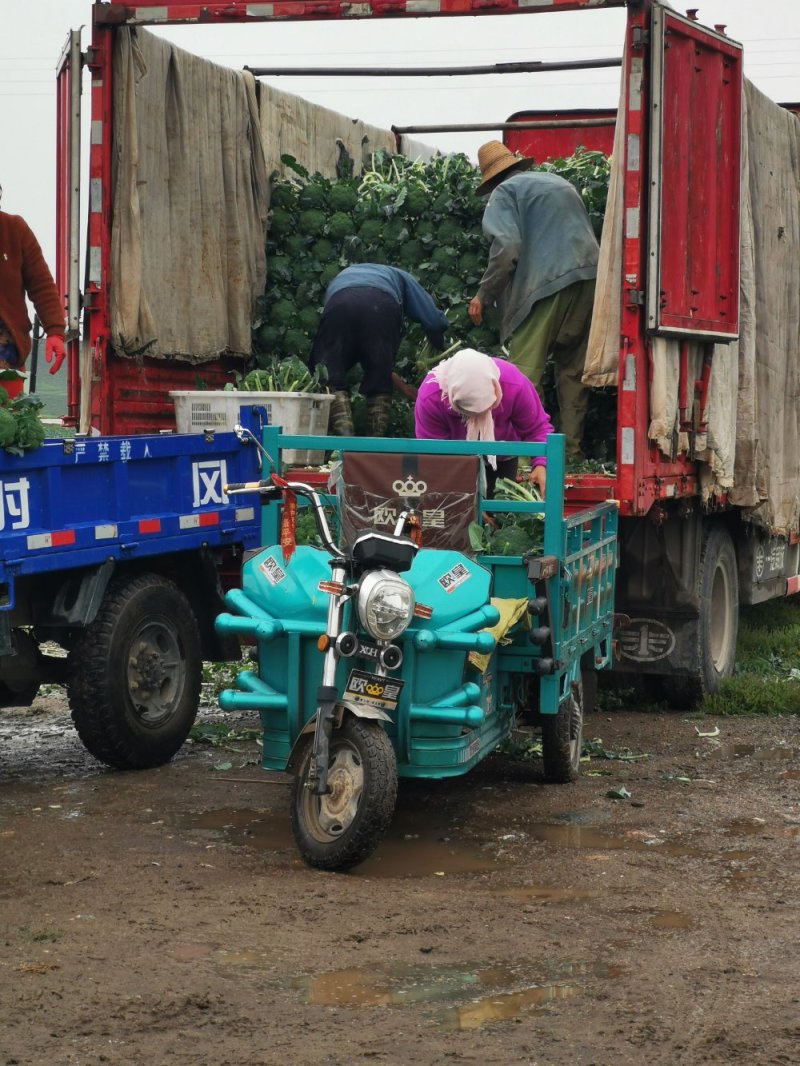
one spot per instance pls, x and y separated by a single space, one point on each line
470 383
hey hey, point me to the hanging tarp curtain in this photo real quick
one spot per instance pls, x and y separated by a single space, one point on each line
189 189
320 140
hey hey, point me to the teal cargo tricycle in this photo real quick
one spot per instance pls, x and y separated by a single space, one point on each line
389 652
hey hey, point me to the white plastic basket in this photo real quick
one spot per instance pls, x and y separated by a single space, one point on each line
302 413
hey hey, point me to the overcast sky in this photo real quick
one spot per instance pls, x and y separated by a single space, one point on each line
32 33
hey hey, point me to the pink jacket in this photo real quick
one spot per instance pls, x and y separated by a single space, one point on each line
518 416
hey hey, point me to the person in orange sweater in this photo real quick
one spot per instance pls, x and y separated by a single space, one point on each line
24 271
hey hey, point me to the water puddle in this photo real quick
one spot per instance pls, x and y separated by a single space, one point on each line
259 828
593 839
505 1006
746 751
760 827
473 996
414 847
596 842
546 894
235 958
423 856
747 826
671 920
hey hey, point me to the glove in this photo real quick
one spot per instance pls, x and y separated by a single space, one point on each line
436 337
54 352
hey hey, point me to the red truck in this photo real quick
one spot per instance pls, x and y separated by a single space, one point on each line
696 318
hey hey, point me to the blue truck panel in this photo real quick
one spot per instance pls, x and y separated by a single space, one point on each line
78 502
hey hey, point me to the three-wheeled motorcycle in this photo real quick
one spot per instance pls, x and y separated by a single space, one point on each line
394 650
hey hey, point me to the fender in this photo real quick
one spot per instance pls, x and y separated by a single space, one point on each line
343 707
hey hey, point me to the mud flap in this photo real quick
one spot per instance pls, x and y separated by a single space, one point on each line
342 708
658 643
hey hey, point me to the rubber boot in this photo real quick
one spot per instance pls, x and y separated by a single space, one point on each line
341 415
379 409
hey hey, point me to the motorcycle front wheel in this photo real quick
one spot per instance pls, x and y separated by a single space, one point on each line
342 828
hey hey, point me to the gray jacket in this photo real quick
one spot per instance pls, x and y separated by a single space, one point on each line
541 241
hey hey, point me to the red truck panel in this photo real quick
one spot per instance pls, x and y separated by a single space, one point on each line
136 396
558 142
297 10
695 163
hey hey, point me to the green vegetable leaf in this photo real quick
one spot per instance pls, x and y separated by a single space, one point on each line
620 793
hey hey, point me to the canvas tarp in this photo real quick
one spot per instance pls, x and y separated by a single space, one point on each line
319 139
752 445
189 190
323 141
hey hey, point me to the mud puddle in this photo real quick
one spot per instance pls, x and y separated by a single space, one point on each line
752 751
416 846
467 998
591 838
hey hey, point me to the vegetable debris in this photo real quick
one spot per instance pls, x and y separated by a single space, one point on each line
21 429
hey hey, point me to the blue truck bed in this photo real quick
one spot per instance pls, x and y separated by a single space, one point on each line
79 502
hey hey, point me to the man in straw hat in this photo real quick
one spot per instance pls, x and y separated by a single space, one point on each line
541 273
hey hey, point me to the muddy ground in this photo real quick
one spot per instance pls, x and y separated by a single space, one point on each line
163 917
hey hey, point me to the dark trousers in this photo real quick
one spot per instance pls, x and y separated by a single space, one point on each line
359 325
506 467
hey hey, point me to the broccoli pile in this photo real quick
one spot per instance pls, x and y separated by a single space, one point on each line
422 217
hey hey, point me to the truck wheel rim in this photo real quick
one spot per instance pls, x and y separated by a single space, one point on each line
721 628
155 673
329 816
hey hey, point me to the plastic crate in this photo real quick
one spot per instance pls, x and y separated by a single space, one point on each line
304 413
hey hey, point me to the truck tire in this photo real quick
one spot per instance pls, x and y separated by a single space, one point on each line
718 624
20 674
134 674
562 738
18 694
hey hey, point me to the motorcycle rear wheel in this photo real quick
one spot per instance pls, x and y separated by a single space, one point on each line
341 829
562 738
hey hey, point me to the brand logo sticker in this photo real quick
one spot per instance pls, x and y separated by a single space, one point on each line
454 577
272 571
645 640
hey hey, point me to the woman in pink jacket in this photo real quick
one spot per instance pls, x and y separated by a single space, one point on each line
472 396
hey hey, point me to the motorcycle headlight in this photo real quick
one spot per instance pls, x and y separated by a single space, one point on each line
385 604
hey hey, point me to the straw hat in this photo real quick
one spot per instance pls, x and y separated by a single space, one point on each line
493 159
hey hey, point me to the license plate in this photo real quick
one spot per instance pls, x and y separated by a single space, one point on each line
383 692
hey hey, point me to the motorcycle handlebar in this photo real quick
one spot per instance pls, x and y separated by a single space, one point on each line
248 486
272 491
